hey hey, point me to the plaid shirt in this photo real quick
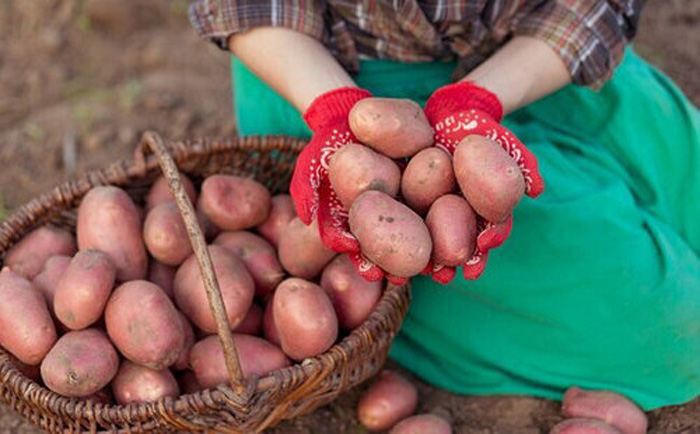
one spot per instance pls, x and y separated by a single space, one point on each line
589 35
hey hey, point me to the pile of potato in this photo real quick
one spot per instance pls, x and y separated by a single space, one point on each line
119 313
389 403
403 219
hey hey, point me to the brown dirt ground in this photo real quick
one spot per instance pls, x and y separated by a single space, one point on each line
81 80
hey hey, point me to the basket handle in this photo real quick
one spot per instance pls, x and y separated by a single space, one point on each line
170 171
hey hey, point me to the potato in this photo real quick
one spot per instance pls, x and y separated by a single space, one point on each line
611 407
256 355
269 328
236 285
26 328
489 178
103 397
452 225
301 251
427 176
252 323
354 169
28 256
188 382
304 318
163 276
233 202
209 229
47 280
80 364
422 424
259 257
32 372
144 325
109 221
352 296
388 400
281 213
390 234
84 288
394 127
183 359
584 426
165 234
135 384
160 192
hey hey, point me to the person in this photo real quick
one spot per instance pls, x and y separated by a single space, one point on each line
597 283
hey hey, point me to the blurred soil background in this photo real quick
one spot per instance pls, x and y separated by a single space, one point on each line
80 80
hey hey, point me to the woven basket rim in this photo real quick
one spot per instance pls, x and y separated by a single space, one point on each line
40 209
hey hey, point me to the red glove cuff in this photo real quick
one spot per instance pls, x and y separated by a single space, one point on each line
457 97
333 107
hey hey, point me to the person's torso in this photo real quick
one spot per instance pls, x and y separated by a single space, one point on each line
424 30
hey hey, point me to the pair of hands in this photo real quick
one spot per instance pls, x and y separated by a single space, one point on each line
454 111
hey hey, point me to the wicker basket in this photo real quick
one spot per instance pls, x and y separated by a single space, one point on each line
247 405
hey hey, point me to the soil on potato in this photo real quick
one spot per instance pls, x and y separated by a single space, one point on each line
80 80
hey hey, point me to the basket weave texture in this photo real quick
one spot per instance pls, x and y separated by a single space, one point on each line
247 405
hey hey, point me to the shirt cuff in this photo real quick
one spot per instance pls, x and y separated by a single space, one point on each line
590 37
217 20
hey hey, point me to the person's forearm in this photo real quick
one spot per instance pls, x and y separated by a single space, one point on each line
295 65
522 71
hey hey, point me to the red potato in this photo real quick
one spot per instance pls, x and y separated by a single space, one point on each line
183 360
354 169
26 327
390 234
28 256
209 229
259 257
489 178
422 424
144 325
236 285
165 234
80 364
233 203
188 382
584 426
610 407
387 401
47 280
394 127
281 213
135 384
353 297
301 251
427 176
304 318
102 397
33 372
252 323
269 328
109 221
84 288
257 357
160 192
163 276
452 225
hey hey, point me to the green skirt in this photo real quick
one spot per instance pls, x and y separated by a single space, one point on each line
599 284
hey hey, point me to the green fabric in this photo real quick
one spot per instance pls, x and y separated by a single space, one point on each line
599 283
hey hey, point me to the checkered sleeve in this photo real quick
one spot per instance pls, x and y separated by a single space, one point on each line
217 20
589 35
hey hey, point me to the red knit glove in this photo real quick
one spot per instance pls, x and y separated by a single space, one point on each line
463 109
311 191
